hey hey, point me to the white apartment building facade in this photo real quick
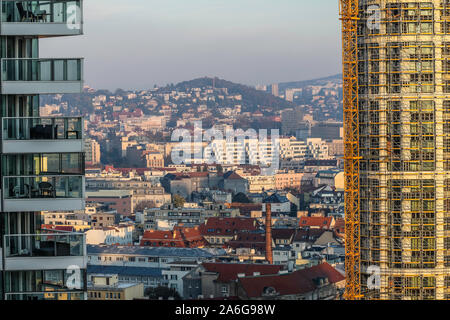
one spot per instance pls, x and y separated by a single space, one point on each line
113 235
92 149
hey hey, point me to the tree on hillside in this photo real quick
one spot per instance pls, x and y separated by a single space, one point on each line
145 205
178 201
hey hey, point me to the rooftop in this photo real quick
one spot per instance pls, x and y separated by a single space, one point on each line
118 286
320 222
178 237
124 271
230 271
155 251
276 198
298 282
308 235
232 176
283 233
108 194
228 226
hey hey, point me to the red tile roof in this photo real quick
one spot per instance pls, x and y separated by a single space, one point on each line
316 222
255 241
283 233
246 208
190 234
229 271
58 228
179 237
109 167
308 235
339 225
139 171
227 226
150 151
232 176
198 174
298 282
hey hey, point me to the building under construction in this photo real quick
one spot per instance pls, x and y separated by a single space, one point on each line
396 57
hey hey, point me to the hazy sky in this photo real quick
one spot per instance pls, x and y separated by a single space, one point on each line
134 44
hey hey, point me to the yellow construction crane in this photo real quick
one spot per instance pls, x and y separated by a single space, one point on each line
349 12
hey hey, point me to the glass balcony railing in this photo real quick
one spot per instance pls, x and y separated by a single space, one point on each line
44 282
43 187
44 245
29 69
46 11
43 164
42 128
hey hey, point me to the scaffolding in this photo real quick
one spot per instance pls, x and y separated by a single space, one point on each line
397 140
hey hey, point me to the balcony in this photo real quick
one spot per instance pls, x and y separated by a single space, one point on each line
46 251
41 18
41 76
43 193
41 135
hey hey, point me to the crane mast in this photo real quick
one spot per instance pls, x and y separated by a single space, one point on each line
349 12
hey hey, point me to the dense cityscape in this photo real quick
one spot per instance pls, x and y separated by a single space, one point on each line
156 225
215 188
201 190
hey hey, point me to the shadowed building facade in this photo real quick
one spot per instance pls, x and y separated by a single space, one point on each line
42 158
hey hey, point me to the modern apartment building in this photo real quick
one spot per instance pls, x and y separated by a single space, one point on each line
397 110
42 159
167 215
275 90
92 149
109 287
291 120
256 151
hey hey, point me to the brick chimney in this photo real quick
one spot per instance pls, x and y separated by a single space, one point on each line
269 255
